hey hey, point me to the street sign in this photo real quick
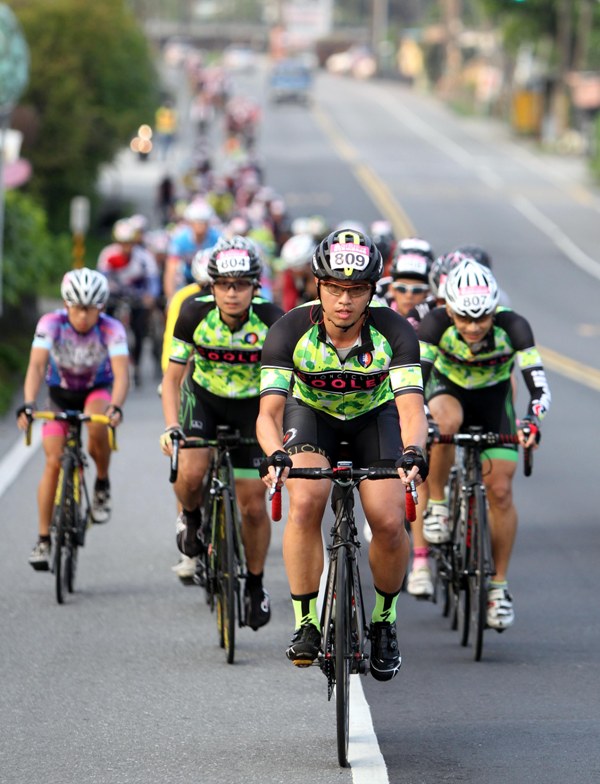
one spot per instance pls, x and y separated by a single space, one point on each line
80 214
14 58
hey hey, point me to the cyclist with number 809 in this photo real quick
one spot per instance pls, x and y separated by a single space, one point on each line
223 332
468 350
335 370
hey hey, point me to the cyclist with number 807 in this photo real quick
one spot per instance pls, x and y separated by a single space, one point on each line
335 370
468 350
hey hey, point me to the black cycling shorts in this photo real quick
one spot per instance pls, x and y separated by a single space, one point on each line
489 407
201 411
373 439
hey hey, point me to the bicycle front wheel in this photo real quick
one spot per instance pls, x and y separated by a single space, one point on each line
226 577
478 577
62 521
343 653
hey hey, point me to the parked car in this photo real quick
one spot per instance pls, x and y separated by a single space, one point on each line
290 80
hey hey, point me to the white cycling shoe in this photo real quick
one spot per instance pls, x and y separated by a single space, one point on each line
435 524
420 583
500 611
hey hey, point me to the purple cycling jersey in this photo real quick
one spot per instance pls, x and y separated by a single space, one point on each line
79 361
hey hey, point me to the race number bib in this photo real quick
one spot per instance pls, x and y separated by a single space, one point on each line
348 256
412 262
474 296
233 260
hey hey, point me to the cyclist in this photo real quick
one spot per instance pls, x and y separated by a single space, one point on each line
410 275
82 354
335 370
224 332
468 350
196 233
132 275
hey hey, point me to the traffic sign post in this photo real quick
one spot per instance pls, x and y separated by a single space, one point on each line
79 220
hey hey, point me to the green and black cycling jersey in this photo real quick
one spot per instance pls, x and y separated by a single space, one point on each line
510 339
297 355
226 364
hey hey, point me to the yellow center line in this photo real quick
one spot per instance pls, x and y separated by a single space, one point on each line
385 202
570 368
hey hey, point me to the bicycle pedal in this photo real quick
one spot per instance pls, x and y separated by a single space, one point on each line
302 663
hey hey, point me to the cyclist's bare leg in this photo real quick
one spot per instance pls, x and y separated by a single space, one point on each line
448 414
53 448
383 503
98 446
256 524
193 464
503 514
302 539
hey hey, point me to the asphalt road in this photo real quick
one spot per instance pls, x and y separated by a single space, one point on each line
126 682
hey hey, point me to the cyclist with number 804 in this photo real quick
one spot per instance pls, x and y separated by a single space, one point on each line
82 354
223 332
468 350
335 370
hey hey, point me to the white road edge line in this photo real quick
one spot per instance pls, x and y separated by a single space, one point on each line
365 757
15 459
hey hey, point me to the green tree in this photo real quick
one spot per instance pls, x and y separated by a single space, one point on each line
92 82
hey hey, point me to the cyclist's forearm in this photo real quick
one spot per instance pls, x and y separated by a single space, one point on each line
33 381
269 433
121 381
171 400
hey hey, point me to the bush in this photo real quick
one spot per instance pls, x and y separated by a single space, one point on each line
32 255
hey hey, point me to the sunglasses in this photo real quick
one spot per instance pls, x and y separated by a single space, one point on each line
355 292
405 288
236 285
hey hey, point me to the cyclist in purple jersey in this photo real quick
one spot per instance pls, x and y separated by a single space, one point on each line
82 355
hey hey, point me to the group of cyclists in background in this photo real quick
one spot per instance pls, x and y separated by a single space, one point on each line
305 335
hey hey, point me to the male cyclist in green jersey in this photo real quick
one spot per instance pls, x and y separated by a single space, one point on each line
334 370
468 349
224 332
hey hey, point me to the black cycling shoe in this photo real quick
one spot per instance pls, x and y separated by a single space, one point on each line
257 607
188 534
305 645
385 656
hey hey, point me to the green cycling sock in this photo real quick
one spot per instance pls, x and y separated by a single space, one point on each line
305 609
385 607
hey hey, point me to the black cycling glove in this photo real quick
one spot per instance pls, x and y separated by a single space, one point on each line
414 456
278 459
26 408
533 423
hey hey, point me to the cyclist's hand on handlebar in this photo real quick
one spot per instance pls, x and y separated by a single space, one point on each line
115 414
24 415
172 433
528 430
267 469
412 466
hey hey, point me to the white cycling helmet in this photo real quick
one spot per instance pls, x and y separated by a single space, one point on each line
200 267
298 251
84 287
198 210
471 290
125 230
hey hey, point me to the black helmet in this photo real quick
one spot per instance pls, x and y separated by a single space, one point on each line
382 235
478 253
346 254
234 258
440 269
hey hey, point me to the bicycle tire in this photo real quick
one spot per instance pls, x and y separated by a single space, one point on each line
477 570
62 522
343 654
227 577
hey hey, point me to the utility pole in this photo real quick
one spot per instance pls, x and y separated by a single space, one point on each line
451 14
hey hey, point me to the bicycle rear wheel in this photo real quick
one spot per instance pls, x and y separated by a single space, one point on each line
343 653
226 577
478 570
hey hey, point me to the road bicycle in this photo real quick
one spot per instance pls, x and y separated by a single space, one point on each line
344 628
222 564
464 565
72 510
